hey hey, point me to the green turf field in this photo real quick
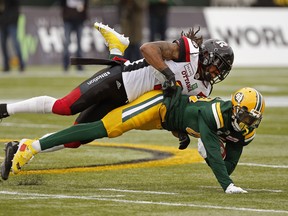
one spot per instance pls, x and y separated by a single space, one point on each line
125 176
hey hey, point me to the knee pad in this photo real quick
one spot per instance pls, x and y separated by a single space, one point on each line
63 106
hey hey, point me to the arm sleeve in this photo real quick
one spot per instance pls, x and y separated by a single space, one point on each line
233 153
214 157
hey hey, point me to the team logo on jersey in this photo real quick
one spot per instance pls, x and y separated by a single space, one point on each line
118 84
188 72
194 86
99 77
239 96
194 44
188 69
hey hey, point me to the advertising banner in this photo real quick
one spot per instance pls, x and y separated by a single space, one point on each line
258 36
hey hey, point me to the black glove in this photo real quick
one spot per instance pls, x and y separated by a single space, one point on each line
184 140
169 86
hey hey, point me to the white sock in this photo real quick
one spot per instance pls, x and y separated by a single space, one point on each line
54 148
115 51
36 145
41 104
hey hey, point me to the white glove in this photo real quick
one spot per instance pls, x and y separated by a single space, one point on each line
232 189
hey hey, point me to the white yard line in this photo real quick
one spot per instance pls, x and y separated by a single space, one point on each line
56 196
25 125
261 165
250 189
101 198
265 165
136 191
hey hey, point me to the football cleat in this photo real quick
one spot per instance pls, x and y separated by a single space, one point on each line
10 149
3 111
112 38
23 155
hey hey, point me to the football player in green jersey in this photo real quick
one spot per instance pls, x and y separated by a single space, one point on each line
233 122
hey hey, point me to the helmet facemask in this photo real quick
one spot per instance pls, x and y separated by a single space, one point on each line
223 68
245 120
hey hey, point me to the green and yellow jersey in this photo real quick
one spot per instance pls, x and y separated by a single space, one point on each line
211 120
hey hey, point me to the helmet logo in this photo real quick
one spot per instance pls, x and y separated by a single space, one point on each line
222 43
239 96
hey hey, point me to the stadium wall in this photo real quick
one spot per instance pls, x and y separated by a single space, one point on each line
259 36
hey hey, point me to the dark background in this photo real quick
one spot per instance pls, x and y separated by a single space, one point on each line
196 3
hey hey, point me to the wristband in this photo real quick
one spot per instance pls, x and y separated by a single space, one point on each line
168 73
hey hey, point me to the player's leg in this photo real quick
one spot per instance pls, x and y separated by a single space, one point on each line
116 42
4 34
145 113
93 113
100 97
80 98
28 148
93 91
41 104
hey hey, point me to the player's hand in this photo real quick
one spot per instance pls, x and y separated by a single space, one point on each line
232 189
184 140
169 87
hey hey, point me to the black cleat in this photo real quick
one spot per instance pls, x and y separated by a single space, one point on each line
3 111
10 149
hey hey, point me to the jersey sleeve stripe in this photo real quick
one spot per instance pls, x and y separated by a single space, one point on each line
217 115
187 48
220 115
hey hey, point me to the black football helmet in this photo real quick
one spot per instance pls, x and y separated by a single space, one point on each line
218 53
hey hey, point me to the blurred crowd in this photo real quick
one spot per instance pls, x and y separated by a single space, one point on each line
131 18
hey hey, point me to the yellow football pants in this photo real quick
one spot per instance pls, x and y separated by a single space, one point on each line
145 113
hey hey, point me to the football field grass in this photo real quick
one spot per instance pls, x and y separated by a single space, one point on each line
143 172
